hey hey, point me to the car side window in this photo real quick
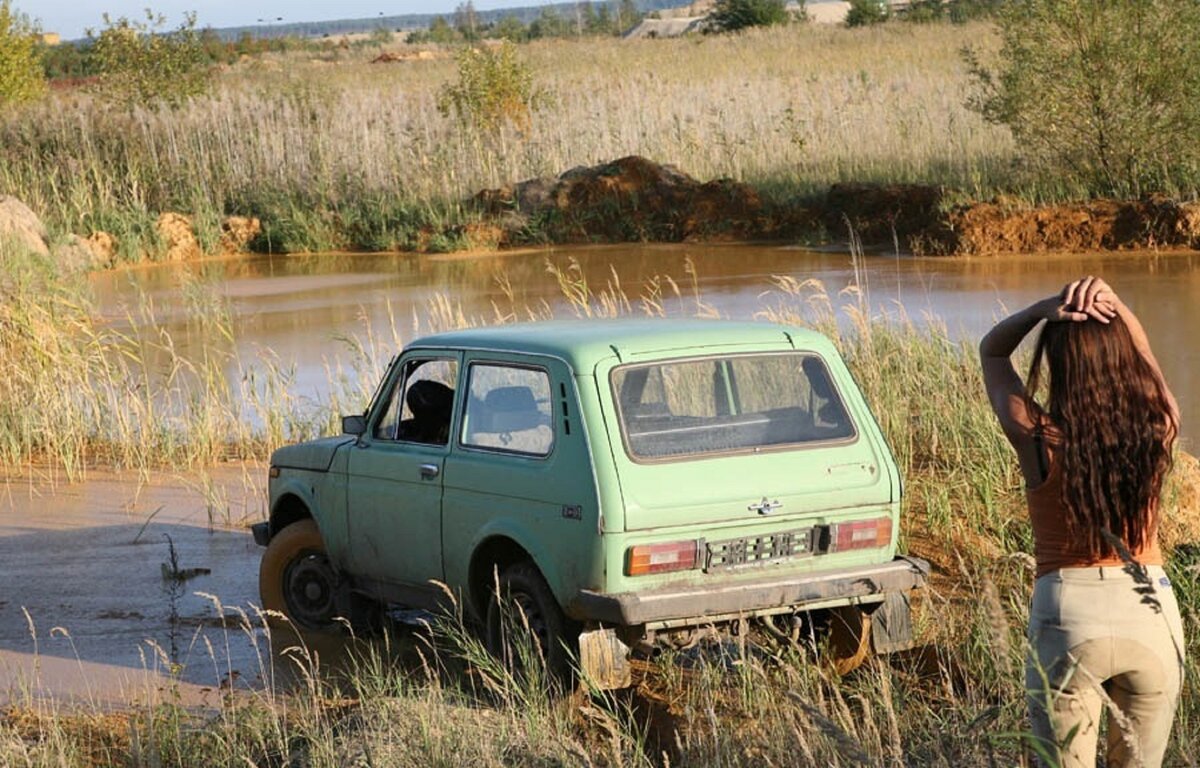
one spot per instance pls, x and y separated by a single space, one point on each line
421 403
509 408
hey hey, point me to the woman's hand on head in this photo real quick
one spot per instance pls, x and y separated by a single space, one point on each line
1089 298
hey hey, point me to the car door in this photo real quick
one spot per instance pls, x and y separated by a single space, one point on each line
394 478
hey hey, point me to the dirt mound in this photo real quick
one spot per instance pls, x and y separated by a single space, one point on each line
885 212
391 57
77 254
237 232
998 227
22 225
104 246
635 199
1187 225
631 199
175 232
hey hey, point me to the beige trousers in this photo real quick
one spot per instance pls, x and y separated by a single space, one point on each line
1104 639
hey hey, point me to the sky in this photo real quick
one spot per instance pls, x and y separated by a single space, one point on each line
70 18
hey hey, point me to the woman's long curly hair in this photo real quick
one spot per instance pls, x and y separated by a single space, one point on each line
1112 427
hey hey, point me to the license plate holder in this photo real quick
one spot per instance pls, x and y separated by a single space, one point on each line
758 551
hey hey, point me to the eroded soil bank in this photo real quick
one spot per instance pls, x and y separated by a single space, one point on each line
634 199
637 199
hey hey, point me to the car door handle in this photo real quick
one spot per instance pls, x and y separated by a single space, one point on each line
429 471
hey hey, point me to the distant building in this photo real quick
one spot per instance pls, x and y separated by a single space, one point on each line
694 17
51 38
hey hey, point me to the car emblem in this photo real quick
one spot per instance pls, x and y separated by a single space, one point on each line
764 507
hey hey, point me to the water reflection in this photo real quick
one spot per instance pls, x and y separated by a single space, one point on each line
306 308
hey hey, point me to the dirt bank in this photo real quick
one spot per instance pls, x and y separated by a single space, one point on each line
635 199
632 199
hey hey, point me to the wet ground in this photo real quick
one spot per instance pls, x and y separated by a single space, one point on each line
92 605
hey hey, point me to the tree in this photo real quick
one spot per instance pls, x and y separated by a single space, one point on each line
732 15
548 24
140 64
21 75
509 27
466 21
381 35
628 16
494 87
601 22
440 31
1104 92
866 12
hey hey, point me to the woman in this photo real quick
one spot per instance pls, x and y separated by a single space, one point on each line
1104 625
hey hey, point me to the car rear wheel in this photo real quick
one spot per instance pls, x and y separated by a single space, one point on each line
525 615
296 578
849 638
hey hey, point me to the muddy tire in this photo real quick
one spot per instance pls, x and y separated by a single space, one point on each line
296 578
849 638
526 602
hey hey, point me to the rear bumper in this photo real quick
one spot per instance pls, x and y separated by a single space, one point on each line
697 605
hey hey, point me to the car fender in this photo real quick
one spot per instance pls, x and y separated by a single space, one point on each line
529 541
301 489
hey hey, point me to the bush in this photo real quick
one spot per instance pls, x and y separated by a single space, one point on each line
1102 92
21 77
732 15
67 60
962 11
494 87
138 63
925 11
957 11
865 12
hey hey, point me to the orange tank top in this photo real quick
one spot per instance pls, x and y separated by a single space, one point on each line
1054 549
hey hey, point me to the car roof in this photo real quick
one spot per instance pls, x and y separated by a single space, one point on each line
583 343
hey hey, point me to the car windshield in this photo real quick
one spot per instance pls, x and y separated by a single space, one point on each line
700 406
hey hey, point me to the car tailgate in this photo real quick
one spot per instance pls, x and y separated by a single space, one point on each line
784 484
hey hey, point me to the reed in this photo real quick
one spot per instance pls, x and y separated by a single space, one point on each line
346 154
94 393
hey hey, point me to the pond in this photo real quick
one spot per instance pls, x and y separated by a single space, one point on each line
309 311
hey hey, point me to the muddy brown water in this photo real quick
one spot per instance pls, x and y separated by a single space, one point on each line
85 610
302 308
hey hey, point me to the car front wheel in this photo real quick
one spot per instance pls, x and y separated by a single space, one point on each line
296 578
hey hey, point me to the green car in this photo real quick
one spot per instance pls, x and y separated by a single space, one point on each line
628 484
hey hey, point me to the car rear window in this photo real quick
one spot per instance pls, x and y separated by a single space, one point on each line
700 406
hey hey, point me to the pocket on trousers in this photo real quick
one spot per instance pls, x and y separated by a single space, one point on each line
1046 608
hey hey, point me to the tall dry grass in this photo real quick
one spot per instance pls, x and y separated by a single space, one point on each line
439 698
349 154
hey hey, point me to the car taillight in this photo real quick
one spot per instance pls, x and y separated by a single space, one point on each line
863 534
660 558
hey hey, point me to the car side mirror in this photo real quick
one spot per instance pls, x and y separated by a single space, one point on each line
354 425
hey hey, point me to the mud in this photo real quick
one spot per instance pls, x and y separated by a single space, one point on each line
632 199
636 199
178 239
87 609
995 228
